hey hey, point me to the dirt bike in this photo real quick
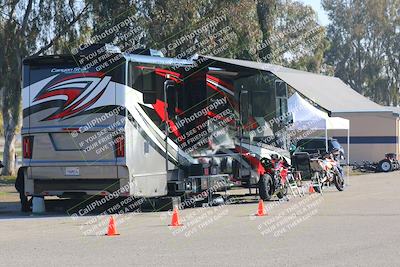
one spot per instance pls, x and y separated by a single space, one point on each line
275 181
326 171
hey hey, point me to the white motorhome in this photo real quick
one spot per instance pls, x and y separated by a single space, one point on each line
103 120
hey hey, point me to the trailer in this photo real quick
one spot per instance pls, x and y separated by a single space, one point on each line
144 125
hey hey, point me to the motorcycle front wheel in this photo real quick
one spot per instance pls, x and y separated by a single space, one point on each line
283 191
338 180
265 187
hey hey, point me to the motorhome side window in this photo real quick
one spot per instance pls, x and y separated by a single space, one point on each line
144 79
281 98
141 78
148 80
260 103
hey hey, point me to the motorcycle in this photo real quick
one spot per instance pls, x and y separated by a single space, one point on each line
365 166
389 163
327 171
276 180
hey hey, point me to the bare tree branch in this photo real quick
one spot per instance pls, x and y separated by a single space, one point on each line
11 14
26 16
71 6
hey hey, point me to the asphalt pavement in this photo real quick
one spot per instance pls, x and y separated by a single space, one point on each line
357 227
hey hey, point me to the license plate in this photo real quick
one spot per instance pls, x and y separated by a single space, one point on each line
71 171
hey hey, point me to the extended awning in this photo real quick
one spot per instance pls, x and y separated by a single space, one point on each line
329 93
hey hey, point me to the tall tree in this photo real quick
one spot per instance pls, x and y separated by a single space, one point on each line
298 40
364 50
179 26
266 14
29 27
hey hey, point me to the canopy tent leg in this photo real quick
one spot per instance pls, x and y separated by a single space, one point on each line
326 138
348 156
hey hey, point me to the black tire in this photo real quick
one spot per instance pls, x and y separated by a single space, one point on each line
385 165
265 187
283 192
396 165
339 182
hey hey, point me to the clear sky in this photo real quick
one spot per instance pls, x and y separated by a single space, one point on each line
316 5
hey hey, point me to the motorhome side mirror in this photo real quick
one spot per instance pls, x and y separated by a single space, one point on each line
170 94
149 97
244 107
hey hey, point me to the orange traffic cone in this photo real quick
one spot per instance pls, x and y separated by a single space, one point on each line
261 208
175 218
311 189
112 228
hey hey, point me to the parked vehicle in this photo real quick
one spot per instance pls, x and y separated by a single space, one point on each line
275 181
314 145
327 171
145 123
389 163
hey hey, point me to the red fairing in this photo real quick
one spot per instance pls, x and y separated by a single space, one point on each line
280 166
284 173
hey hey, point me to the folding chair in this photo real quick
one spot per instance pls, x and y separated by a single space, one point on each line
302 164
294 180
317 170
